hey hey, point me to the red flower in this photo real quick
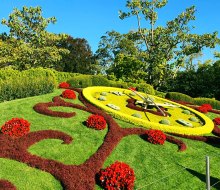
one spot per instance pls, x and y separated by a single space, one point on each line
16 127
156 136
207 106
132 88
96 121
70 94
216 120
202 109
64 85
117 176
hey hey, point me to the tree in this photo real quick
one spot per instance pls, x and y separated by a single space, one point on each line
80 59
165 48
30 45
28 25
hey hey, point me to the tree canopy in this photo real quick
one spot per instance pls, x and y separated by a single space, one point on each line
162 49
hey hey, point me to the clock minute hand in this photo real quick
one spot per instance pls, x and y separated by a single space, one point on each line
146 100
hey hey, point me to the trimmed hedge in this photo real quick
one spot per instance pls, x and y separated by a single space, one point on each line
214 103
146 88
83 81
63 76
179 96
15 84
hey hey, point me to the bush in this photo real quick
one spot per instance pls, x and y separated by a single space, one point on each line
69 94
214 103
16 127
117 176
96 122
24 85
99 80
118 84
156 136
179 97
63 76
146 88
160 94
81 81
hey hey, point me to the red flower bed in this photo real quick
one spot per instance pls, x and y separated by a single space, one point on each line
156 136
70 94
16 127
204 108
64 85
132 88
96 121
216 120
117 176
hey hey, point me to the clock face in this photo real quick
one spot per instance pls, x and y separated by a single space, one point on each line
148 111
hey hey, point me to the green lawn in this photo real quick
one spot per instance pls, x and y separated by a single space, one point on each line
156 167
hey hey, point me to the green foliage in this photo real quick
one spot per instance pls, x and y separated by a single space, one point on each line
80 59
160 94
214 103
15 84
119 84
99 80
63 76
203 82
146 88
81 81
28 25
179 96
30 45
156 53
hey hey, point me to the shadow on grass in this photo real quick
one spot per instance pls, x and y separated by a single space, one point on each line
202 177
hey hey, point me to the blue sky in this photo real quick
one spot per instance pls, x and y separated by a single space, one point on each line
91 19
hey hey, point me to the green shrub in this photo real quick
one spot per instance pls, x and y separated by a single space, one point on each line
99 80
64 76
81 81
21 84
118 84
146 88
214 103
160 94
179 96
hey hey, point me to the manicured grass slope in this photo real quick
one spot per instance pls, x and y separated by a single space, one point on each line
156 167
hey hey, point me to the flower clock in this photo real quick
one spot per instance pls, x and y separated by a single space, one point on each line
150 111
160 115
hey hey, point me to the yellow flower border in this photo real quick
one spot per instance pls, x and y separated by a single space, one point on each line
205 129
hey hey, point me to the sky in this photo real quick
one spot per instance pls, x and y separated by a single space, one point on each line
91 19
